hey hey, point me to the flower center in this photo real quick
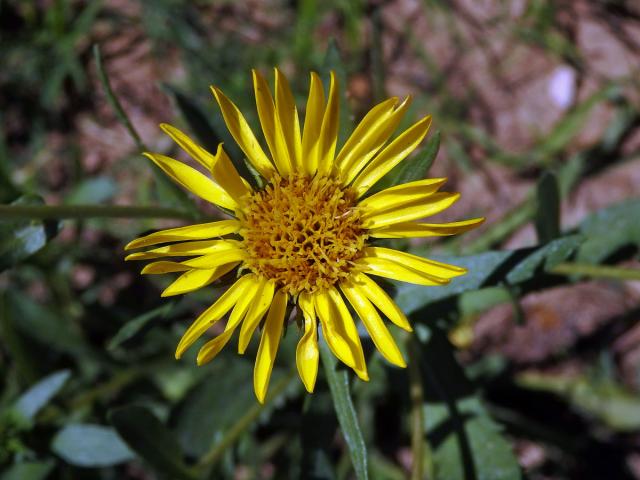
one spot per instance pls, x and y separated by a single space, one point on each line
303 233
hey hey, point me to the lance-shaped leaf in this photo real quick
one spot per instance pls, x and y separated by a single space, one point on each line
339 386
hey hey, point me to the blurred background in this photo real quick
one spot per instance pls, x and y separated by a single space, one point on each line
535 356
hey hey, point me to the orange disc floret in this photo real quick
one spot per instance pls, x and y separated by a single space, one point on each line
304 233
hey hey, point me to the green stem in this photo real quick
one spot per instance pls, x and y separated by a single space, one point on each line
596 271
44 212
242 424
418 444
113 100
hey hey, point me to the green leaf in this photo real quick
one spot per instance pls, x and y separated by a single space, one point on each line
547 216
28 471
86 445
21 238
411 298
150 439
492 456
612 404
26 366
339 386
412 169
608 230
45 325
136 325
551 254
205 414
465 441
31 401
485 270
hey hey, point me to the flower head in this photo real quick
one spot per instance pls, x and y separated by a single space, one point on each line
306 237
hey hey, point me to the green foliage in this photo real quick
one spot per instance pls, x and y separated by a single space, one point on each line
547 256
466 442
414 168
28 470
19 239
89 387
547 217
610 230
32 401
150 439
611 404
86 445
339 386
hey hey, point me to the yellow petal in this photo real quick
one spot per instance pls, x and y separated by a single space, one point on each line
157 268
255 314
214 313
271 127
307 353
329 129
269 344
388 269
378 114
190 232
287 115
196 279
340 331
213 347
381 299
377 126
379 333
410 229
210 349
194 150
184 249
244 137
218 258
312 125
224 172
193 180
430 205
391 155
425 265
394 197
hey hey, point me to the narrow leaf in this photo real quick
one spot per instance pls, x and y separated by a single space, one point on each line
547 216
339 386
550 255
136 325
481 272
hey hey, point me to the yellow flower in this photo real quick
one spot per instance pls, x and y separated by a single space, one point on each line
305 238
